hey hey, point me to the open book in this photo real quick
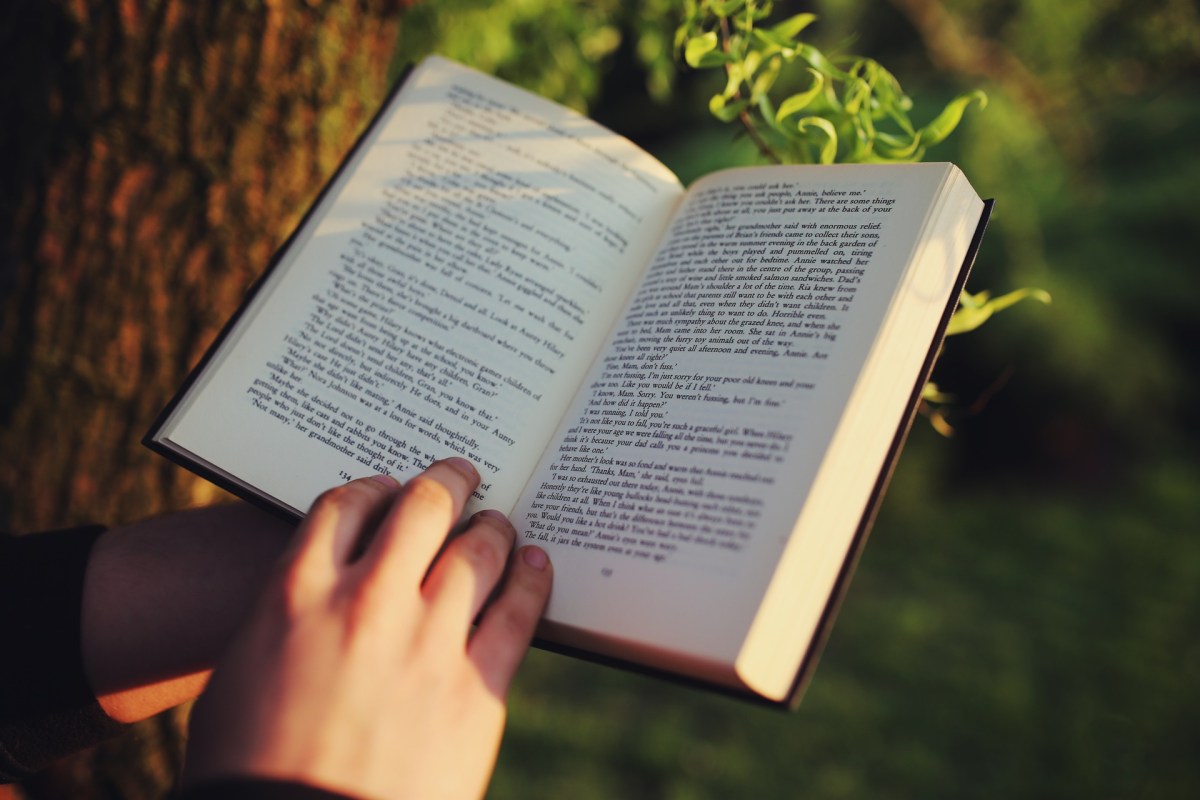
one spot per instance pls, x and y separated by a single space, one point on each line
691 399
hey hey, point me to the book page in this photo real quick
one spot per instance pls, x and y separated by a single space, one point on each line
446 297
666 499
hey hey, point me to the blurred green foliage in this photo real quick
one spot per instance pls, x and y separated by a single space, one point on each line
558 50
1026 619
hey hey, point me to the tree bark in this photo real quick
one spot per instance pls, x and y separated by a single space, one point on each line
155 153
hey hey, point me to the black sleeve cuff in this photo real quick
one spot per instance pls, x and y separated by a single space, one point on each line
47 709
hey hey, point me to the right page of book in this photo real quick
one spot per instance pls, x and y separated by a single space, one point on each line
778 330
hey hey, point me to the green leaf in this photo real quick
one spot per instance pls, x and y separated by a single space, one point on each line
770 43
938 421
818 61
750 64
726 112
951 115
792 26
698 48
887 92
766 79
733 80
863 148
896 148
974 310
896 114
759 10
829 149
799 101
766 114
857 92
932 394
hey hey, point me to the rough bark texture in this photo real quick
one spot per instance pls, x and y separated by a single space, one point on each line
153 153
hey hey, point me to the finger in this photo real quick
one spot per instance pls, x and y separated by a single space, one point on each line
466 572
337 521
504 632
417 523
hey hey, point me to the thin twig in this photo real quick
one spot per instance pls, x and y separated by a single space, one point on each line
764 148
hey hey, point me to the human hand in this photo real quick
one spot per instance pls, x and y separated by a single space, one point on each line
359 673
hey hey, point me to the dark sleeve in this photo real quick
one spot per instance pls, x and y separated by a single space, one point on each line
250 789
47 709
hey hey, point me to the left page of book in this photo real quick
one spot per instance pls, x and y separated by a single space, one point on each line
445 296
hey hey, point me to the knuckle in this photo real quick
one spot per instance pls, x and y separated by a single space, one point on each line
531 591
426 491
482 553
360 605
341 498
297 587
512 622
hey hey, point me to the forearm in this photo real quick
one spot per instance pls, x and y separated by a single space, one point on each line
162 597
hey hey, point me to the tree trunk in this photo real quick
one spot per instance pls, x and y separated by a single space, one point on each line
155 152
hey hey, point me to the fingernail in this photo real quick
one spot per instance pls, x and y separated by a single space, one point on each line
387 480
495 516
535 557
462 465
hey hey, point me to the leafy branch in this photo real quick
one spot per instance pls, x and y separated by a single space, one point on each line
850 110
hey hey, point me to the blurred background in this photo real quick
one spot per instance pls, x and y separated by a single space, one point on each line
1025 621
